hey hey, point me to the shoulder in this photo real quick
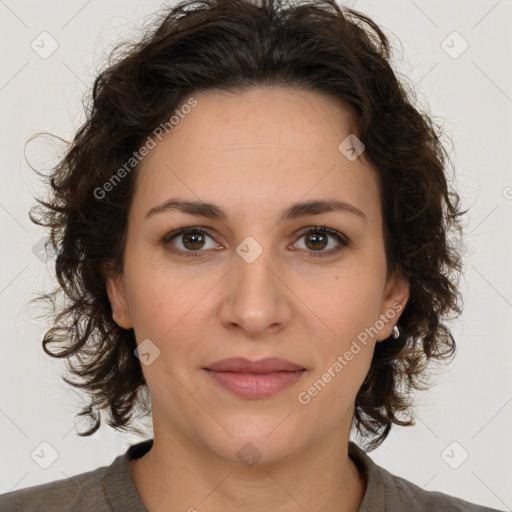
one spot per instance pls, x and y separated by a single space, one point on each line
80 492
105 489
412 497
388 492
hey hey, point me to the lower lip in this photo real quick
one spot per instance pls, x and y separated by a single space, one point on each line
252 385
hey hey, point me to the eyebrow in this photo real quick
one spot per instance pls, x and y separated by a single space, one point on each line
294 211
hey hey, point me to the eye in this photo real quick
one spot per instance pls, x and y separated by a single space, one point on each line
192 241
316 239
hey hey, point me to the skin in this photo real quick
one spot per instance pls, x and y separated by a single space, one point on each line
253 153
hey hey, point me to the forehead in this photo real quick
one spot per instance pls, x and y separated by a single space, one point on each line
265 146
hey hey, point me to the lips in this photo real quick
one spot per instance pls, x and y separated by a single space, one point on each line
243 365
255 379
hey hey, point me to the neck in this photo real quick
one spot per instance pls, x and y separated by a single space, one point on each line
176 475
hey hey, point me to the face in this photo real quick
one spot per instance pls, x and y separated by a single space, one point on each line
254 278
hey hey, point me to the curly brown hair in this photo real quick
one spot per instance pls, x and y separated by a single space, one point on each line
232 45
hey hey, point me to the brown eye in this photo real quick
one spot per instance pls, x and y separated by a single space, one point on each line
317 239
193 240
188 241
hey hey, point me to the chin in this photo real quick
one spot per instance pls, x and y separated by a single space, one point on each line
254 440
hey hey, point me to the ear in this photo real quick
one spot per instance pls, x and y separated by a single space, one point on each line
396 295
117 295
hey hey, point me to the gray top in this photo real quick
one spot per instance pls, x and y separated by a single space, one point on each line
111 489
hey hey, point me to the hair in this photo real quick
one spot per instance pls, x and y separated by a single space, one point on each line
231 46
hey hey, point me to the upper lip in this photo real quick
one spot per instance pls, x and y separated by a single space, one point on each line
243 365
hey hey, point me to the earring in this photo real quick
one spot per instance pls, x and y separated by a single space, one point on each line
395 332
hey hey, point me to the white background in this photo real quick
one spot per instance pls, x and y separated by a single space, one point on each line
471 94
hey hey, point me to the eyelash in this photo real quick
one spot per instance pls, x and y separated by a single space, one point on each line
343 240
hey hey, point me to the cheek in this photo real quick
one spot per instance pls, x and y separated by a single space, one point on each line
167 308
348 305
347 302
330 392
157 295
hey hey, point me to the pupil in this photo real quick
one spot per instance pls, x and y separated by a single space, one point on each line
316 238
193 239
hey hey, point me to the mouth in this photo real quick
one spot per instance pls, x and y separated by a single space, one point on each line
255 379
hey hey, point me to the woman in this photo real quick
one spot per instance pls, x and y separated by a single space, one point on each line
252 228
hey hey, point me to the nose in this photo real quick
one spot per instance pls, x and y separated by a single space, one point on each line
256 297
